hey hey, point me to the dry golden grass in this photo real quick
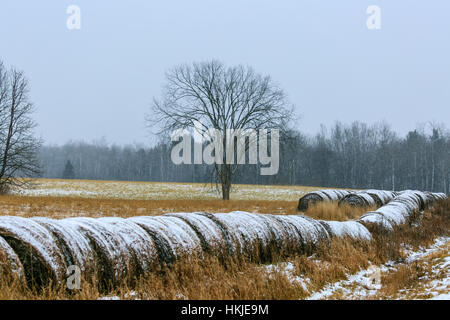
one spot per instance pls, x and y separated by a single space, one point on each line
63 207
332 211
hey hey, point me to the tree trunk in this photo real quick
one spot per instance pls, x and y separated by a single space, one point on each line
225 176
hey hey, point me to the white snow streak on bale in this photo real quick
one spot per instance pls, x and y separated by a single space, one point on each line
113 257
137 241
376 219
246 228
293 239
73 244
278 230
310 231
397 211
383 196
160 235
212 237
320 195
10 264
360 199
183 236
171 235
350 229
34 245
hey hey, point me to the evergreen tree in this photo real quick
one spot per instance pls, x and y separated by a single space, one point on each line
69 172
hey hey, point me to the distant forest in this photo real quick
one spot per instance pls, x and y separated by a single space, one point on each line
348 156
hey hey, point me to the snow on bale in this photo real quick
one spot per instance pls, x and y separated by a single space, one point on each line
212 236
143 251
310 231
347 229
322 195
10 266
113 258
284 240
36 248
397 212
172 236
74 245
248 231
381 197
440 196
360 199
377 220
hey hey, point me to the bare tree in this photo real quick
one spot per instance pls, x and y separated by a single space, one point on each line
220 98
18 146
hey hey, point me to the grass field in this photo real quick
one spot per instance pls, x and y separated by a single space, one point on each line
65 198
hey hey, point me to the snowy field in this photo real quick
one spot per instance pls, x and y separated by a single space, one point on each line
159 191
434 284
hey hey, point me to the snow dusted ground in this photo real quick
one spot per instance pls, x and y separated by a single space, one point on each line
155 190
435 285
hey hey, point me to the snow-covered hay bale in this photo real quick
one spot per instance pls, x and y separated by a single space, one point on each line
290 239
310 231
360 199
440 196
347 229
74 245
113 258
172 236
36 248
284 237
309 199
376 220
318 196
212 236
398 211
144 256
248 231
381 197
10 266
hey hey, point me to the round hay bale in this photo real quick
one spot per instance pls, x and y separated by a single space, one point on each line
360 199
347 229
171 236
10 266
36 248
212 236
290 239
440 196
250 232
381 197
377 220
113 258
311 231
139 244
334 195
74 245
309 199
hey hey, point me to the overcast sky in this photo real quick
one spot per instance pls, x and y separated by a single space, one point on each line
99 81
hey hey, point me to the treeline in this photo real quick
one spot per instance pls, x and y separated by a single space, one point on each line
350 156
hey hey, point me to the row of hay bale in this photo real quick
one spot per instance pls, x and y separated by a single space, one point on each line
405 206
111 250
368 198
321 196
363 198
